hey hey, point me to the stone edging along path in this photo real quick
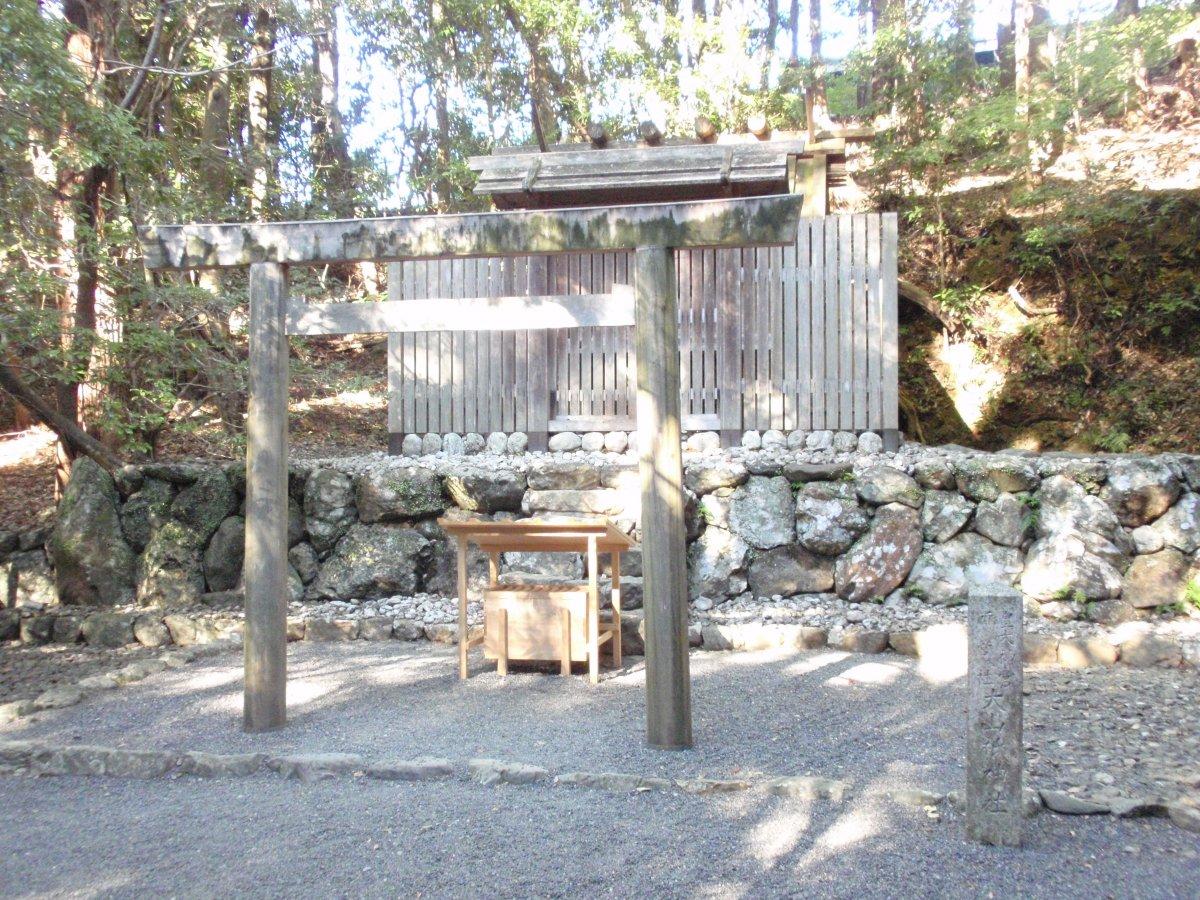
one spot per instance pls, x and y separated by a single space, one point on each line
35 758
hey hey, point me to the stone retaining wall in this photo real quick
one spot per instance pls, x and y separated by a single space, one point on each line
793 520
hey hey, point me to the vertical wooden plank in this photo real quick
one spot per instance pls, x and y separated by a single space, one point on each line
803 325
729 356
266 566
395 367
668 684
787 259
537 383
508 354
608 343
891 350
495 420
625 385
832 326
683 275
762 339
816 284
521 353
874 324
457 339
859 322
420 354
470 351
464 631
708 318
775 272
845 325
593 375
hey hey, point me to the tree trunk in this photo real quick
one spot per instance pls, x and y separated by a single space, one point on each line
69 433
443 185
214 153
1023 80
333 176
260 175
80 216
963 25
1004 48
1126 8
794 25
866 35
819 106
769 38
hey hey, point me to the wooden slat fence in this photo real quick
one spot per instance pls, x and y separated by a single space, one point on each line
802 336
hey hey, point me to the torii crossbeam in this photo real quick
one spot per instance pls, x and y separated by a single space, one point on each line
651 230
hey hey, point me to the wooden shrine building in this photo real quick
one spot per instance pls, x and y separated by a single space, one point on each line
796 337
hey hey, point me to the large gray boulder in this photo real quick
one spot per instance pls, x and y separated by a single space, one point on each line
1179 526
329 508
304 562
944 515
222 562
790 570
1156 579
987 477
93 566
1063 507
881 559
702 477
498 491
205 503
108 629
144 511
762 512
170 570
716 564
564 476
1140 490
1060 567
946 573
441 576
1189 466
828 517
883 484
373 561
934 473
396 494
1006 520
295 523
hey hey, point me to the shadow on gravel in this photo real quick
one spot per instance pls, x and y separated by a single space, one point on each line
772 712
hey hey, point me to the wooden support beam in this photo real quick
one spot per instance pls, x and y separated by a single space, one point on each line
519 313
266 566
704 223
668 684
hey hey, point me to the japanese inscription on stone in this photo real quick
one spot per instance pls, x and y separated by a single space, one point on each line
995 759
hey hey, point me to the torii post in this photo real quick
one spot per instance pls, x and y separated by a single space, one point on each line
652 231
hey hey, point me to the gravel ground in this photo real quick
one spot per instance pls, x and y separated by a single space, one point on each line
27 670
265 837
877 721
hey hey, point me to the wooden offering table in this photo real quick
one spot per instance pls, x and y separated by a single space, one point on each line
541 621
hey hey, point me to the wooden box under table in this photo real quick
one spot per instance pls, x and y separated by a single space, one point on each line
539 621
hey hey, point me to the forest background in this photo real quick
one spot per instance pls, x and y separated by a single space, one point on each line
1046 178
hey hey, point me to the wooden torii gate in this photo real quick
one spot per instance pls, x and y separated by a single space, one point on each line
651 230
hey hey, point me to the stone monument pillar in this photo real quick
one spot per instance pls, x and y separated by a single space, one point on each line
995 751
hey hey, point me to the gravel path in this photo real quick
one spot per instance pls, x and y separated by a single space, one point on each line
264 837
876 721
